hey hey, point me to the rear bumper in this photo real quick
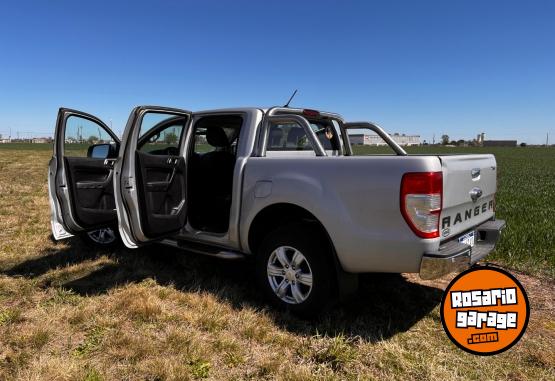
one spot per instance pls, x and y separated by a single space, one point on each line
455 256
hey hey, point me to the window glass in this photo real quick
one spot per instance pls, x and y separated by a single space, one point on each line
201 145
217 133
288 137
81 134
327 135
161 133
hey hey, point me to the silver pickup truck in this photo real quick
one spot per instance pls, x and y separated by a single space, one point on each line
278 185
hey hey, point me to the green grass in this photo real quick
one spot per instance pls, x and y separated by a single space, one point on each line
25 147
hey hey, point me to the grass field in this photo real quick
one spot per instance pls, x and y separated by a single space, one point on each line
72 312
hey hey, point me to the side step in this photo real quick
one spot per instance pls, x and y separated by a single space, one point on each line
200 248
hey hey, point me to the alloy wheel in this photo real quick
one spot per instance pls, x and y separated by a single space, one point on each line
289 275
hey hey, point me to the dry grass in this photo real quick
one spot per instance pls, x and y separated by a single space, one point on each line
71 312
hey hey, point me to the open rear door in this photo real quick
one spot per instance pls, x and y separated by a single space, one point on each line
80 175
150 182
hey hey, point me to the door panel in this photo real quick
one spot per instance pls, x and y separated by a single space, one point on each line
80 182
151 182
162 193
91 183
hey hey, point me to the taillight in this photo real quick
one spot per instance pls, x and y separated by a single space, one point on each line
421 198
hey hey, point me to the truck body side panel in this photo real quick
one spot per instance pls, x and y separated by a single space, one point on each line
355 198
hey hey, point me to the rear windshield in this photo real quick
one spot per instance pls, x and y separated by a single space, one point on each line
326 133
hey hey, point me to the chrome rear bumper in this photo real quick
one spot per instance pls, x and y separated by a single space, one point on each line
455 256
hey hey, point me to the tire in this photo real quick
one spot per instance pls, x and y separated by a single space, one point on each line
107 237
284 261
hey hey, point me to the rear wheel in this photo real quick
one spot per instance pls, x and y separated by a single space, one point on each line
294 271
103 237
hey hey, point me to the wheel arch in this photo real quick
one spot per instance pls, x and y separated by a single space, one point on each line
280 214
276 215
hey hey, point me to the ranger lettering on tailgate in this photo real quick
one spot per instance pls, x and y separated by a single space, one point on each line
467 214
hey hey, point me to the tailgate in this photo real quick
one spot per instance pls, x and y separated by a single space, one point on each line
469 186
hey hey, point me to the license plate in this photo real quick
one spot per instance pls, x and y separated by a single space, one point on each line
467 238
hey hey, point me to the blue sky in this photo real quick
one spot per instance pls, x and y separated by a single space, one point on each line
426 67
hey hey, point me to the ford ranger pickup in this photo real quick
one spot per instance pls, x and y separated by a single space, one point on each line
281 186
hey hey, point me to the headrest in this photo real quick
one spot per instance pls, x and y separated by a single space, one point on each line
219 137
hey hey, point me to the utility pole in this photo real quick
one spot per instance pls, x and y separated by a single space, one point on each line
547 140
434 139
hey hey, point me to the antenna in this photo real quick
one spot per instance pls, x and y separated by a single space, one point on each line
289 101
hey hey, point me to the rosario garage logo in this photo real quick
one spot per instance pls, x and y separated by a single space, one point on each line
485 311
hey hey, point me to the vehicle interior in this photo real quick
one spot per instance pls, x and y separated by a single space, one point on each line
211 162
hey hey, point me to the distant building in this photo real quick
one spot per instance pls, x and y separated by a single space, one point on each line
499 143
42 140
375 140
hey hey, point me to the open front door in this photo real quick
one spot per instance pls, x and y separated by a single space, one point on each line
150 181
80 175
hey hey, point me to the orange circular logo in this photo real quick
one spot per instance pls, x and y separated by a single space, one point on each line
485 311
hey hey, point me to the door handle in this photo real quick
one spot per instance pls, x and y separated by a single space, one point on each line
475 193
172 160
109 163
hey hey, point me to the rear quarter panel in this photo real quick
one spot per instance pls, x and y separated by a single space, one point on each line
355 198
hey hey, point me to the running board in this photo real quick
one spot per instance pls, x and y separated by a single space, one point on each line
203 249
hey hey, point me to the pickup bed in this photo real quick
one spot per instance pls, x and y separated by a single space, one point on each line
278 185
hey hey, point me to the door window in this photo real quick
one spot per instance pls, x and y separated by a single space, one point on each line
86 138
161 133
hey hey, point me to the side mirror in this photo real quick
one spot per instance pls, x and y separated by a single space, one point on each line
99 151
